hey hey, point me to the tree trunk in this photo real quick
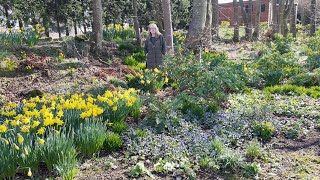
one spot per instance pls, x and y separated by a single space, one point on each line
58 27
289 8
75 27
293 21
249 15
215 18
274 17
313 18
67 27
168 25
97 24
195 32
20 23
281 17
6 13
46 25
83 17
257 22
136 22
235 21
208 25
246 19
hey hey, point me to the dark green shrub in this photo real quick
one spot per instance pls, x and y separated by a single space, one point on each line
113 141
250 170
263 130
139 56
306 79
293 132
119 127
313 61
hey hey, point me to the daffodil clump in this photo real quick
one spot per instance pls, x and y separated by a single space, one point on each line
21 36
152 80
25 127
118 32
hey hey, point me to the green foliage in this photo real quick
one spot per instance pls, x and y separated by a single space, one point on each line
90 137
288 89
293 132
58 149
118 83
118 33
282 44
307 79
67 168
213 77
129 48
21 36
250 170
119 127
162 116
138 170
275 67
230 160
4 54
9 157
113 141
210 164
9 65
140 133
313 60
150 80
263 130
253 149
218 147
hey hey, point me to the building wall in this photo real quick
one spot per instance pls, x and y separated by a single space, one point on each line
226 11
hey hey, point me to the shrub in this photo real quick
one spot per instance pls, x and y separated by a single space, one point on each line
288 89
90 137
250 170
119 127
113 141
253 149
264 130
282 44
313 61
230 160
306 79
293 132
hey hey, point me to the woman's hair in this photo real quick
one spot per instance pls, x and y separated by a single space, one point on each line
152 25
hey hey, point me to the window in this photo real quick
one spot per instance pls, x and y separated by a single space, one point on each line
263 8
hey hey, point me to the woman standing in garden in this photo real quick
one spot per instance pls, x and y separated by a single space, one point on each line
155 47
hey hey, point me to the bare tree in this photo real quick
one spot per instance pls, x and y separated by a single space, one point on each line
313 18
136 22
97 23
236 21
195 32
215 18
168 24
257 22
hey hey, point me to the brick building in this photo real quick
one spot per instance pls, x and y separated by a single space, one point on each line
226 12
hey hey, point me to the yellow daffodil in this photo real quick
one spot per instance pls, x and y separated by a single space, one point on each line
25 129
114 108
41 141
41 131
142 81
3 128
35 124
20 139
109 124
148 82
156 70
